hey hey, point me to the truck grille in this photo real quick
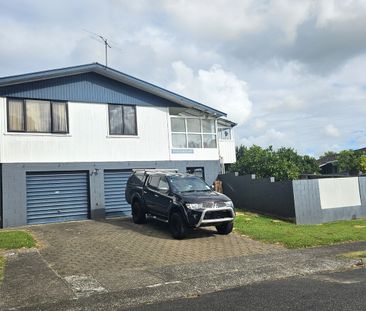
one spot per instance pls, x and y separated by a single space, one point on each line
213 204
218 214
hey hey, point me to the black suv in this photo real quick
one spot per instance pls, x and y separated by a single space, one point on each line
182 200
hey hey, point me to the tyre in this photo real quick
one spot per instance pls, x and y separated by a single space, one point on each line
138 213
225 228
177 226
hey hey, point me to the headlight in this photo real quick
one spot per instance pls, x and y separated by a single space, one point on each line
194 205
229 204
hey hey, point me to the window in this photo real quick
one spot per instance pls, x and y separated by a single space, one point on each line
224 133
122 120
37 116
154 181
188 132
163 185
196 171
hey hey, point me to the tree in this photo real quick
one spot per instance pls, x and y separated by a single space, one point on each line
283 164
363 163
352 161
309 165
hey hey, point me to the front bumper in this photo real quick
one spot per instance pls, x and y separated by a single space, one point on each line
212 216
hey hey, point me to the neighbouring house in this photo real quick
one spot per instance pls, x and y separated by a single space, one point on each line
71 137
328 165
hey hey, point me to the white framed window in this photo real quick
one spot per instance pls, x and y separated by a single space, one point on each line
224 133
193 132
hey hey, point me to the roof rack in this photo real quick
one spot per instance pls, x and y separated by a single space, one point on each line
155 170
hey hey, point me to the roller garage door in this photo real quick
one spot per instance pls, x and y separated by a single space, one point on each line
55 197
114 193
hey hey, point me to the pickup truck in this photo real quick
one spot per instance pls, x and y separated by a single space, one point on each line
183 201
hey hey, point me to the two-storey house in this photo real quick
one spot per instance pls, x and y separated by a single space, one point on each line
70 138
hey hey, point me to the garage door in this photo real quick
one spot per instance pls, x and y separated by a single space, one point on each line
114 193
55 197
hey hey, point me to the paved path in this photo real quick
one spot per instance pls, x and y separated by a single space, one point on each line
120 244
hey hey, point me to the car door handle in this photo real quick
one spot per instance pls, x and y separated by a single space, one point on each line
155 195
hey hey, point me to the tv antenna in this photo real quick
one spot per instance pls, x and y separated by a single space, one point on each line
106 46
105 42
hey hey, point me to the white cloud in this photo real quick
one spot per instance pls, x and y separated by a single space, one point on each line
215 87
288 101
332 131
216 20
259 124
288 15
330 11
271 137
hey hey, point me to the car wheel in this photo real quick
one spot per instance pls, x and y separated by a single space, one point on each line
225 228
177 226
138 213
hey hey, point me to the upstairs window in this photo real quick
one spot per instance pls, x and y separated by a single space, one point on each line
122 120
224 133
37 116
193 132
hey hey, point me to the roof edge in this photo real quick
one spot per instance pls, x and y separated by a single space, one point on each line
112 74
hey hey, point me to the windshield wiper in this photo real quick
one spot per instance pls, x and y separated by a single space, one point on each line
194 190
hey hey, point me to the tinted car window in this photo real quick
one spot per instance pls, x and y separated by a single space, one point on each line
188 184
140 176
163 185
154 181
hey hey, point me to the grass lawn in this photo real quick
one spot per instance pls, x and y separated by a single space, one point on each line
271 230
13 240
16 239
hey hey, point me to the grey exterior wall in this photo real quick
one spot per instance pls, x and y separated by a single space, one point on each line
308 207
14 182
260 195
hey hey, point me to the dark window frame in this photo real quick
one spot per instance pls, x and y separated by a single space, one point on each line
24 101
123 123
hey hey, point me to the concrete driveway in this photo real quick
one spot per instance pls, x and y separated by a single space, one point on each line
92 263
78 259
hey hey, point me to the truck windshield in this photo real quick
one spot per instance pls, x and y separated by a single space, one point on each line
188 184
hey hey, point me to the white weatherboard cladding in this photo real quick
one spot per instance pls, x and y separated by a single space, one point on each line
227 150
339 192
89 140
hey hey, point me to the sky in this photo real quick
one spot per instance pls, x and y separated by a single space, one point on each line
289 72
